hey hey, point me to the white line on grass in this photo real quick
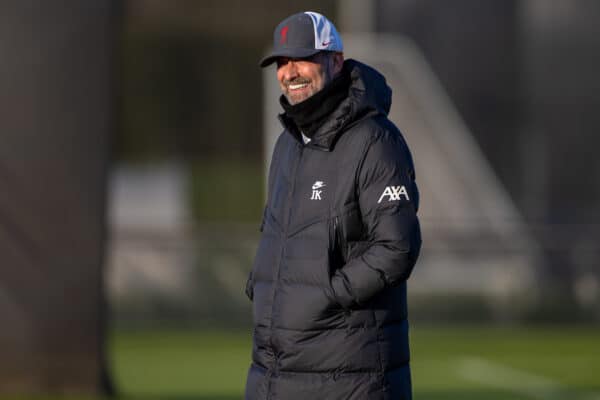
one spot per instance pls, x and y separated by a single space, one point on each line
482 371
524 383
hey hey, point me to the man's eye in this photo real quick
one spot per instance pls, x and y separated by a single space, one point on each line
282 61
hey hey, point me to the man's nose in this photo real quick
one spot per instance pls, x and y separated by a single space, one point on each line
290 70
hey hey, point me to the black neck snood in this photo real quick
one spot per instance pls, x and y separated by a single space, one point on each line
310 114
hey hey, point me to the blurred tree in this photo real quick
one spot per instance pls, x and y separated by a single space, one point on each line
56 101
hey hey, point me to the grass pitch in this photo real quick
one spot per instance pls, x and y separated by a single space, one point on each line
449 363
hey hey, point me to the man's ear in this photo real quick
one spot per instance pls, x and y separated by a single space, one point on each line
338 63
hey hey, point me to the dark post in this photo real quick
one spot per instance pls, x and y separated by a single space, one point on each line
56 107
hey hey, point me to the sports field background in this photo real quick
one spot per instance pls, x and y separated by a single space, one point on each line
165 101
449 363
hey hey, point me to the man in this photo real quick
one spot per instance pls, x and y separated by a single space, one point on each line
340 234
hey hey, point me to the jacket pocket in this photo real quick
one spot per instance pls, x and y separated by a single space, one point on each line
336 246
335 259
346 229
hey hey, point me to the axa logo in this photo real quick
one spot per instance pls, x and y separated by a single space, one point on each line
393 193
316 193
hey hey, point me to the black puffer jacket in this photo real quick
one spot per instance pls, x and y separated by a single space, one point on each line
340 237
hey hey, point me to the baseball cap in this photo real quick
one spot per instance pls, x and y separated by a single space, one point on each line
303 35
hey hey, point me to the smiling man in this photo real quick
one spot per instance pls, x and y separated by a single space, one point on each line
340 234
301 78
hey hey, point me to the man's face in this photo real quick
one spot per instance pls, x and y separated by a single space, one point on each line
300 78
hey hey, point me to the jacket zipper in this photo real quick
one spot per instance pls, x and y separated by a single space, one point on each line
276 281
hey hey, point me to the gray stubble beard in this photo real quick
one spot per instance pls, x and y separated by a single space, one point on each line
326 80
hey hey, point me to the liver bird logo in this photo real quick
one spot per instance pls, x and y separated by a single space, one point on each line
283 37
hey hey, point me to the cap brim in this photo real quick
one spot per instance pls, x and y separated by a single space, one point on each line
287 52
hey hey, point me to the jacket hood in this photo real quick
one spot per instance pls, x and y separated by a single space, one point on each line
368 95
368 91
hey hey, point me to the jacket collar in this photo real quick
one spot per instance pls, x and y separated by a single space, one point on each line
368 95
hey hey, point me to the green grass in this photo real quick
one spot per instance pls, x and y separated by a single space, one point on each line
449 363
504 363
181 365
